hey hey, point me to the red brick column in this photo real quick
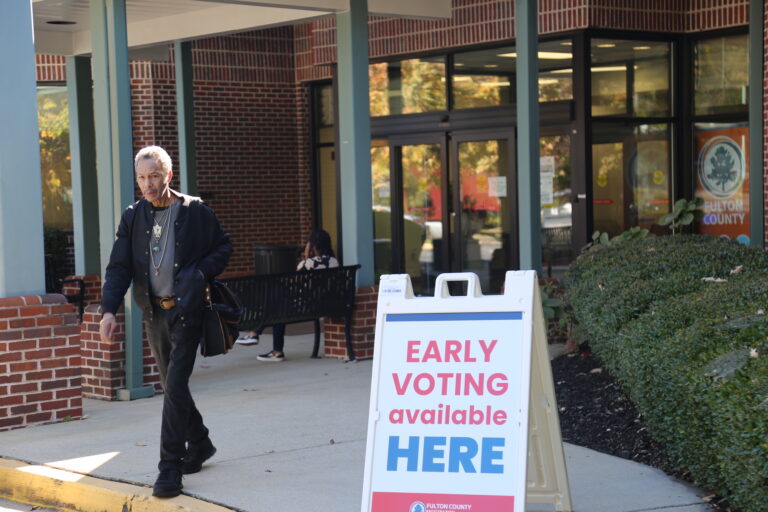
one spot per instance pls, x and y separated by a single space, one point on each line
363 327
39 361
104 363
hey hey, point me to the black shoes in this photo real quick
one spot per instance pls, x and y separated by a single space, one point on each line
168 484
196 455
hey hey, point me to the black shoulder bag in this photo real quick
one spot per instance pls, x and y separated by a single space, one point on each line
220 316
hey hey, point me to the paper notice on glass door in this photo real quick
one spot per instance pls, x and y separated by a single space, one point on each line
497 186
547 178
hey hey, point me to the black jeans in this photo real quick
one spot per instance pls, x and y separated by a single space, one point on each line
278 337
174 345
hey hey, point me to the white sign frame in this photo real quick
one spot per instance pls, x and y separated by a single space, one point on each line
411 489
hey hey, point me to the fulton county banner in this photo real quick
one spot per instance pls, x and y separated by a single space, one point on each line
722 180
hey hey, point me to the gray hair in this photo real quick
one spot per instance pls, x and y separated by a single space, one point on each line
157 154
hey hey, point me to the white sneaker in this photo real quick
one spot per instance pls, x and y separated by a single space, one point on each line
247 339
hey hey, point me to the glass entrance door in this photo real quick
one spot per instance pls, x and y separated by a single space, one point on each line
484 214
443 206
409 208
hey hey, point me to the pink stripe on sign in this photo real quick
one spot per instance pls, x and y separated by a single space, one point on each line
420 502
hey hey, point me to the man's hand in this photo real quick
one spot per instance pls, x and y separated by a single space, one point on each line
107 327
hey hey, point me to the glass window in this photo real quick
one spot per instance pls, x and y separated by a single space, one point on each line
422 213
410 86
486 78
382 208
324 112
555 70
485 216
720 69
630 175
53 120
630 78
556 208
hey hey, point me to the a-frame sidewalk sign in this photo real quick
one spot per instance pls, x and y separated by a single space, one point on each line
462 401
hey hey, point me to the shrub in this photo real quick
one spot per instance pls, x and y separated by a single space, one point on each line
680 322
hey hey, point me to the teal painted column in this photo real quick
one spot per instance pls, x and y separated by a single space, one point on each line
82 149
22 262
354 145
756 186
185 114
114 162
528 185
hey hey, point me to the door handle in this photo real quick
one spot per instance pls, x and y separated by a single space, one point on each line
575 198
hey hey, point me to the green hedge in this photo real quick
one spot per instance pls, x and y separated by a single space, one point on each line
692 354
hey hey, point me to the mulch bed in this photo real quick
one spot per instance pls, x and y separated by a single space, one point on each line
595 413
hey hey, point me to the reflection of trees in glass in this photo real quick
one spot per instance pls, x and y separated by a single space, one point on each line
555 88
421 181
406 87
377 89
423 86
609 92
479 161
720 72
53 120
380 176
474 91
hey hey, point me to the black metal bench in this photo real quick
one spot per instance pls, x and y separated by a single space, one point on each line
297 297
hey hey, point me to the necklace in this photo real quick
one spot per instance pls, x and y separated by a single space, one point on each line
157 231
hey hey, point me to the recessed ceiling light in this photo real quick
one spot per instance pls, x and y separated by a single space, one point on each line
542 55
458 64
567 43
639 48
490 65
61 22
606 45
608 68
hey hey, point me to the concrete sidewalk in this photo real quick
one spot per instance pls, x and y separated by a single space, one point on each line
290 437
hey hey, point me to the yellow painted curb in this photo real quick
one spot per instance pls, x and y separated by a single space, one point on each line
56 488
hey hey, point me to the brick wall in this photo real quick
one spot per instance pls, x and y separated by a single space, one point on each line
363 327
39 361
488 21
251 131
104 363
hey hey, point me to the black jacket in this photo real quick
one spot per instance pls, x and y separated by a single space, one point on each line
201 244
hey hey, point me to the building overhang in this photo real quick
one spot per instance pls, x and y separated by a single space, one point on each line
62 27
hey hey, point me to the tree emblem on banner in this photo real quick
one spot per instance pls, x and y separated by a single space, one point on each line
721 167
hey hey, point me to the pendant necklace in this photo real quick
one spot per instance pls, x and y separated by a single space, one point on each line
157 232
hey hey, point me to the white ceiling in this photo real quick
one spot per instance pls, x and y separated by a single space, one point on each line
151 22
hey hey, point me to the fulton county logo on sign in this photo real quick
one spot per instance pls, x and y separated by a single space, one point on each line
451 385
721 167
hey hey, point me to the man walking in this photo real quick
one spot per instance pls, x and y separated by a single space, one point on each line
169 245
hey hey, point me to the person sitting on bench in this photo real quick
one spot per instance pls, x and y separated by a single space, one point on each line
317 255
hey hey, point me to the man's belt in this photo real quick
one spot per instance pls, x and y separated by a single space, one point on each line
164 302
